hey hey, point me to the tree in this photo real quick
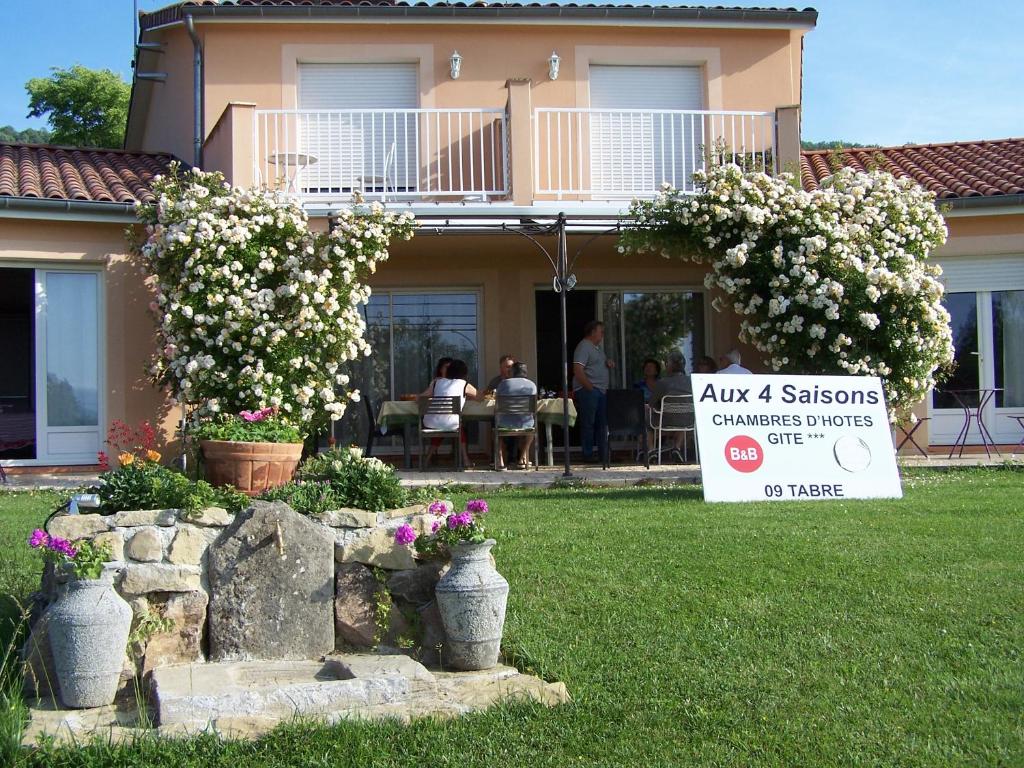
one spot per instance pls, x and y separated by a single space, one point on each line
833 281
840 144
27 136
85 107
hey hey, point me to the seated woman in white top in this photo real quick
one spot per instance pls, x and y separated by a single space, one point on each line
453 384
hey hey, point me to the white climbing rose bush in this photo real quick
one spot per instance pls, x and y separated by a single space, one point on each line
831 281
254 310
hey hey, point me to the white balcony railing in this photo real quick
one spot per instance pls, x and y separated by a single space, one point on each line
384 154
615 154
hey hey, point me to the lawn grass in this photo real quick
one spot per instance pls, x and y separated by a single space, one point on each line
782 634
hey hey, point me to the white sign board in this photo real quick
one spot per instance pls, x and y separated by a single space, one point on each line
793 437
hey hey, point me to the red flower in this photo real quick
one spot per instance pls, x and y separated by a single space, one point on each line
103 460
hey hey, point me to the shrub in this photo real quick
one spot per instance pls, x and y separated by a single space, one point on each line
831 281
148 485
254 310
312 498
365 483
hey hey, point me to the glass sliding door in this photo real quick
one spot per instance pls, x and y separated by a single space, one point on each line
988 339
68 373
642 324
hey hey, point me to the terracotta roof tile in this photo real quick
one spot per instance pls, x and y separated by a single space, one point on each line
957 170
70 173
174 12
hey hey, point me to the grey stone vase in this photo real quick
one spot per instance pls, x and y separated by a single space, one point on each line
471 597
89 626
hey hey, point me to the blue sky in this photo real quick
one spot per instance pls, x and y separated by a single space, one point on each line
875 71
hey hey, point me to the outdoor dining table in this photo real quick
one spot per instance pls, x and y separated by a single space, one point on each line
405 413
974 411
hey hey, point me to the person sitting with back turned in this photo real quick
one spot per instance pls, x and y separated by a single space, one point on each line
730 363
591 379
675 382
516 384
452 384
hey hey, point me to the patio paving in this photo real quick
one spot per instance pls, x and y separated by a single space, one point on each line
545 477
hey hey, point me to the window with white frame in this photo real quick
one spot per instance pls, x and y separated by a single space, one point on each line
648 324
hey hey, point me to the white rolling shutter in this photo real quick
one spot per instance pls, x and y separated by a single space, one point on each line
635 144
371 146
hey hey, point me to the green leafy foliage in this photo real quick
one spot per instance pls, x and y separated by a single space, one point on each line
148 485
85 107
25 136
235 428
89 559
312 498
812 634
364 483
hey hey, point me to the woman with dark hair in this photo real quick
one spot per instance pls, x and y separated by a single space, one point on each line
451 384
651 371
440 372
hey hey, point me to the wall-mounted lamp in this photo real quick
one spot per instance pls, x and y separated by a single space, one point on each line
456 62
553 63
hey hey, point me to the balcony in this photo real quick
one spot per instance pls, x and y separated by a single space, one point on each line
386 154
518 154
598 154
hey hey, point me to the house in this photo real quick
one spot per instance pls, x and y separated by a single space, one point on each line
980 189
477 114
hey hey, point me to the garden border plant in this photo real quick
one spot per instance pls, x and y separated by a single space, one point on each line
254 310
831 281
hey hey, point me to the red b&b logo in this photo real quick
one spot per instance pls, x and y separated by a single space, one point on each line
744 454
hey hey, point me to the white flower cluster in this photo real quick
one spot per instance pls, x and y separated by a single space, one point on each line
254 310
835 280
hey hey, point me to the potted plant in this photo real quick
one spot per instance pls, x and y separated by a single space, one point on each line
88 624
257 313
471 596
252 451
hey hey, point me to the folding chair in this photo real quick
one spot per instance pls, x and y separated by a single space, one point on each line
520 408
675 415
625 417
441 406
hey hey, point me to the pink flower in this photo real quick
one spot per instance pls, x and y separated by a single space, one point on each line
39 538
477 506
439 507
405 535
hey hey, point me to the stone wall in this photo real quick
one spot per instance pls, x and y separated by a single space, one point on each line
166 562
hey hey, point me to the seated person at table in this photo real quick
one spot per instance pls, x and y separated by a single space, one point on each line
651 370
516 384
453 384
676 382
705 365
730 363
505 363
440 372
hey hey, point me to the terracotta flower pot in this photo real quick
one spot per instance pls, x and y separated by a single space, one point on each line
250 467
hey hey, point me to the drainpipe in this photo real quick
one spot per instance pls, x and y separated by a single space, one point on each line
197 93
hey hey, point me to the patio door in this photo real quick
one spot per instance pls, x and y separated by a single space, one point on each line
988 337
51 405
648 324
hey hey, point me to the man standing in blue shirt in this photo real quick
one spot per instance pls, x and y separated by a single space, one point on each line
590 385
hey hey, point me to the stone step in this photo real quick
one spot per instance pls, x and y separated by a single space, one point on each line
202 695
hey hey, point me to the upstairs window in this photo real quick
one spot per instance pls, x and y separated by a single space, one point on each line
355 127
642 130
